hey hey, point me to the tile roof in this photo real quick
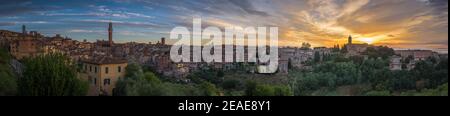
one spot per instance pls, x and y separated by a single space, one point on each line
99 60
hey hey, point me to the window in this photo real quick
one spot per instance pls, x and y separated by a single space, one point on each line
119 69
95 81
85 67
90 79
106 70
90 68
107 82
95 69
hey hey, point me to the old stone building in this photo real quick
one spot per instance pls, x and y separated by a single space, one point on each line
296 57
6 37
417 55
355 49
395 63
28 47
103 72
22 45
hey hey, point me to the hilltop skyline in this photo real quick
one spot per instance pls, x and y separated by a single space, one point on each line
402 24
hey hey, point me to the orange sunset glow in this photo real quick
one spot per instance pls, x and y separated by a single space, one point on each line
400 24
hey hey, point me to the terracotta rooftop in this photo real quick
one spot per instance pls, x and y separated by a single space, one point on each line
99 60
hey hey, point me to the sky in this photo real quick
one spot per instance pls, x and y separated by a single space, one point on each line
400 24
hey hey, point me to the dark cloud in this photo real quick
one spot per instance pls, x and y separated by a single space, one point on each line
210 7
13 7
122 23
7 24
248 7
23 7
440 5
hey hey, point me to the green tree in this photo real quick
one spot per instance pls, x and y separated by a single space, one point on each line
283 91
439 91
250 88
401 80
8 81
317 57
209 89
378 93
210 75
51 75
257 89
134 70
264 90
379 52
138 83
8 84
231 84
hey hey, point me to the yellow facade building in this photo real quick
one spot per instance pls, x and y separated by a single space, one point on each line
103 73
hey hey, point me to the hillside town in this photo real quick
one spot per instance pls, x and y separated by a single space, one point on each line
103 62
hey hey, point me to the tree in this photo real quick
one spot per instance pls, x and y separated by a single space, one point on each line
133 74
51 75
258 89
283 91
378 93
400 80
139 83
264 90
317 57
372 70
134 70
8 84
305 46
250 88
340 58
220 74
357 59
336 48
231 84
210 75
379 52
8 81
209 89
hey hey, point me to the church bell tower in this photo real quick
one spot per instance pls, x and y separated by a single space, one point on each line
110 34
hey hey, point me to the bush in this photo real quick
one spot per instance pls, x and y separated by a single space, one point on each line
209 89
264 90
51 75
440 91
8 84
232 84
257 89
139 83
378 93
283 91
8 81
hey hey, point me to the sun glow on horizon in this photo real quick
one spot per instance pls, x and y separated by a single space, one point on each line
368 40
